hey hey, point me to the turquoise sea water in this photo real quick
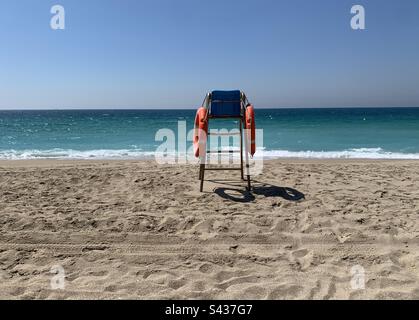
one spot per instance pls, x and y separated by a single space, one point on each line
388 133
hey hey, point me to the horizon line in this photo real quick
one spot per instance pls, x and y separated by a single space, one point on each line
190 108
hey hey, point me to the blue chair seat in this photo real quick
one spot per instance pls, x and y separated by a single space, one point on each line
226 103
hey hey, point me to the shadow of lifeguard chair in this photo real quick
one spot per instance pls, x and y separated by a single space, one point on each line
225 105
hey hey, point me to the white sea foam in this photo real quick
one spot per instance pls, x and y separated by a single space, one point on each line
74 154
360 153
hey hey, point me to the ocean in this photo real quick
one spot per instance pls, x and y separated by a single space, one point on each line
370 133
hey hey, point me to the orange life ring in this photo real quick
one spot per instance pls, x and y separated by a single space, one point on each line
251 129
200 132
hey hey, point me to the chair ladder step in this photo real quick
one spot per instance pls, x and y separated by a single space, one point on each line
222 169
223 151
223 134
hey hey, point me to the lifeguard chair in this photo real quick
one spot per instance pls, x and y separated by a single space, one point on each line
225 105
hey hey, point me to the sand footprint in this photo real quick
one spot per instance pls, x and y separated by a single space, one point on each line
226 275
341 236
301 258
198 286
253 293
206 268
236 281
331 290
176 283
285 291
315 290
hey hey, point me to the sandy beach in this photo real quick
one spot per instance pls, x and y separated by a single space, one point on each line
136 230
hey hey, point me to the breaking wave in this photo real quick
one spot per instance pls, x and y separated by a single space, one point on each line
361 153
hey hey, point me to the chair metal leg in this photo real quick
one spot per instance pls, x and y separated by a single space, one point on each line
249 187
241 148
246 147
202 170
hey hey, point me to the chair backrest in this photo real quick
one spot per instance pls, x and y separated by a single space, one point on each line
226 103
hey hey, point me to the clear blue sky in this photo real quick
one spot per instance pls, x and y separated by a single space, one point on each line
169 53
